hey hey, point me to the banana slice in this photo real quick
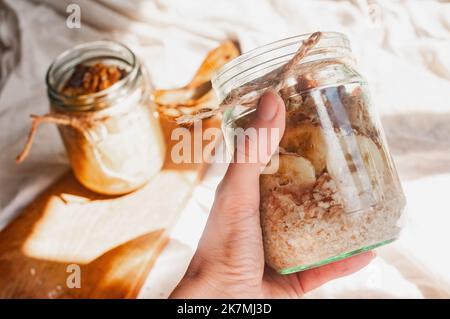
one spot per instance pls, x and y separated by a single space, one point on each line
356 165
297 169
293 170
308 141
372 159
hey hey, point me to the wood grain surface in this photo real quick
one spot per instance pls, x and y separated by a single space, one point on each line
114 240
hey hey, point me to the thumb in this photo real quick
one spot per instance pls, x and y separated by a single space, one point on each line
234 217
262 136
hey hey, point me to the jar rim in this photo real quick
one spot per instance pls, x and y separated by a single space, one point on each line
67 60
263 59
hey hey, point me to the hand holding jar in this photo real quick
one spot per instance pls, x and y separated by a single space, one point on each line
335 193
229 262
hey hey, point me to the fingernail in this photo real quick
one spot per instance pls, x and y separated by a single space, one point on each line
268 106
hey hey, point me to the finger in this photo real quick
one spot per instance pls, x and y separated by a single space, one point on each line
313 278
266 130
234 217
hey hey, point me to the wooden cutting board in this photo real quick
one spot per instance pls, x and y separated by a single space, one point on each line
113 240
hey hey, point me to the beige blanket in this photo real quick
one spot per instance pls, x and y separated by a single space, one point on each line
403 49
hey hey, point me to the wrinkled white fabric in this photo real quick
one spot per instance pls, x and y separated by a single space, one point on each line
403 49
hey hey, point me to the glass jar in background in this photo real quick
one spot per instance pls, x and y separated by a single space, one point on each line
336 192
113 140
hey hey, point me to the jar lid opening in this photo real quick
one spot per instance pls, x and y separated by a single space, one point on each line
109 52
264 59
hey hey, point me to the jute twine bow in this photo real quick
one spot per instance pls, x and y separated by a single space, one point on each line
80 123
242 94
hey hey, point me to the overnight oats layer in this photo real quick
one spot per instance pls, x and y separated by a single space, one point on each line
336 192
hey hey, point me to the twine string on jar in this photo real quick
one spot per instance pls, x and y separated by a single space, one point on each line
55 118
81 123
249 94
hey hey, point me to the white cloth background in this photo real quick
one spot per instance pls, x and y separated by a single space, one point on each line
403 49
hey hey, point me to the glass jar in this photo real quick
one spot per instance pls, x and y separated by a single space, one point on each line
336 192
112 138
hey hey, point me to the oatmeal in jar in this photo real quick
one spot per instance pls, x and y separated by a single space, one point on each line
336 192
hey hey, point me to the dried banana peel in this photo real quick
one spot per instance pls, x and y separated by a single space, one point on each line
197 96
